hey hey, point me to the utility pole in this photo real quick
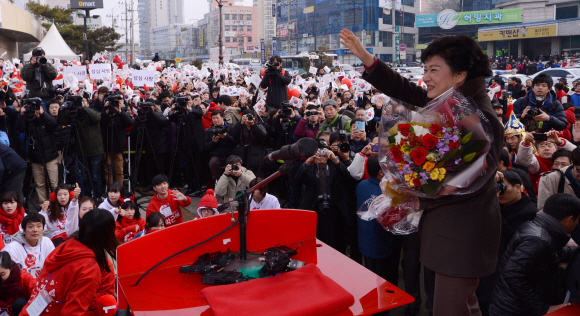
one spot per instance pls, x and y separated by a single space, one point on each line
221 57
126 33
87 12
132 37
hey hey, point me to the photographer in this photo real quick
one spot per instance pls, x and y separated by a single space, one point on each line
276 80
250 138
86 122
234 179
218 143
539 109
284 123
7 120
323 176
309 125
334 121
42 151
114 122
232 114
358 139
39 75
98 99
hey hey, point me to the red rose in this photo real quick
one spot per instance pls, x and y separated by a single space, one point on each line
417 182
453 145
419 154
429 141
404 129
396 154
434 129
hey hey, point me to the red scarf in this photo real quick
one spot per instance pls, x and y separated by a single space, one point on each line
12 221
545 166
126 222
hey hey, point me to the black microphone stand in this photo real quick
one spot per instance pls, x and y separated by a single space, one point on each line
244 198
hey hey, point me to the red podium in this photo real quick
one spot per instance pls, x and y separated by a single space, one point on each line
165 289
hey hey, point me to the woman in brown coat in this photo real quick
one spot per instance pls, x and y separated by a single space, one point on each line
459 234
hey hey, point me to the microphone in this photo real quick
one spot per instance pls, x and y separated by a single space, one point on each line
304 148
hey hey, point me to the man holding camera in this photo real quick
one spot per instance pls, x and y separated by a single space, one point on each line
218 143
276 79
334 122
39 126
250 138
540 110
39 75
234 179
114 121
309 125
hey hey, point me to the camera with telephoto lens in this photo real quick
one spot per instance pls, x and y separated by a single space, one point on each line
286 110
38 52
501 187
531 113
180 105
144 108
218 130
271 67
344 145
324 200
114 100
75 101
31 105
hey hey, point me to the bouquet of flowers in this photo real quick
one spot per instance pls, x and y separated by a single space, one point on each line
440 149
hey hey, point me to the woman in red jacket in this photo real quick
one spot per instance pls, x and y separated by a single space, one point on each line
77 274
15 287
130 224
11 215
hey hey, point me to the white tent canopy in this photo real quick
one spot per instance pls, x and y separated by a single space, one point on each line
54 46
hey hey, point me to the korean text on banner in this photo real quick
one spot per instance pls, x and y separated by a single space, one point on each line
143 77
100 71
79 71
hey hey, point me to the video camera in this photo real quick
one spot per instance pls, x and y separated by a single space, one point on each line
286 110
218 130
180 105
32 105
144 108
75 101
114 99
38 52
271 67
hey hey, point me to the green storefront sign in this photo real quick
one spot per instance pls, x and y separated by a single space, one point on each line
448 19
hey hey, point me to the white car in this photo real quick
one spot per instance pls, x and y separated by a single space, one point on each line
411 73
570 74
523 78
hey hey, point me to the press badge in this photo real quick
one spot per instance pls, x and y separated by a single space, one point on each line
166 210
39 304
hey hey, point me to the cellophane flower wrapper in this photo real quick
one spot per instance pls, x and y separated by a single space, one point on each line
437 150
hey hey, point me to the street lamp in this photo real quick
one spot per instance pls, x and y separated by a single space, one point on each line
221 57
85 17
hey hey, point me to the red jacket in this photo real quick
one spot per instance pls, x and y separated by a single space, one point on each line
126 229
561 94
74 280
26 284
175 217
302 130
206 119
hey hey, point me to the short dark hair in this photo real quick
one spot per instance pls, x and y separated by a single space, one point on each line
559 86
153 220
562 205
263 189
543 78
233 159
504 156
333 138
561 153
216 89
461 53
225 99
217 112
276 58
158 179
53 101
6 260
116 187
575 156
512 177
373 166
164 94
32 217
11 196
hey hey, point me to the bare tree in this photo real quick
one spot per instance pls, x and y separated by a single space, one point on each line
436 6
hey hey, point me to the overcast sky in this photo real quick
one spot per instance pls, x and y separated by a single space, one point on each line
194 9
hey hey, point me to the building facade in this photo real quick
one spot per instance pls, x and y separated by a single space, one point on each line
266 25
304 25
156 13
171 41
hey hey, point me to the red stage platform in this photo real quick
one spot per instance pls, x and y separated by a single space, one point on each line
164 289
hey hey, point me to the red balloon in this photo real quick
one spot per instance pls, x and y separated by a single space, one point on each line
347 82
294 93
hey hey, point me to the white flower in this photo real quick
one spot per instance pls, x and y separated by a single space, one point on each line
420 130
398 138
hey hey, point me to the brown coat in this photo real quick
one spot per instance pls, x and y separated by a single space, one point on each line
459 234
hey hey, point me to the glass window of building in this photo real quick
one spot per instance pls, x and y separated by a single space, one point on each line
410 3
227 27
241 28
234 16
408 38
249 17
386 57
249 27
386 38
567 12
249 39
234 39
226 16
234 28
241 16
228 39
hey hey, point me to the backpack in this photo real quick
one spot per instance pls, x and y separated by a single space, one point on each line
562 182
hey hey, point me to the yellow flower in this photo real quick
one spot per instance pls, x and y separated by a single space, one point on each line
410 183
441 177
407 177
428 166
442 171
434 174
414 175
430 157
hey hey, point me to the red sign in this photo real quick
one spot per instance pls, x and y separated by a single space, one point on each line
283 32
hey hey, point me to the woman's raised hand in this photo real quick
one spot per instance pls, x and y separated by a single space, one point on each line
349 40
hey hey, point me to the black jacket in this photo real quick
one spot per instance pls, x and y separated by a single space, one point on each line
115 136
41 144
516 91
49 73
250 144
89 131
535 251
62 137
196 133
223 148
337 176
7 122
277 89
155 126
10 162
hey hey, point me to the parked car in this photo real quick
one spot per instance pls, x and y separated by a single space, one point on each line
570 74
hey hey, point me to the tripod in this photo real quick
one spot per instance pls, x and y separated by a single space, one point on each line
74 135
180 126
34 140
142 132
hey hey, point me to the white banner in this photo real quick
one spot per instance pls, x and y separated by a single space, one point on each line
143 77
79 71
100 71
